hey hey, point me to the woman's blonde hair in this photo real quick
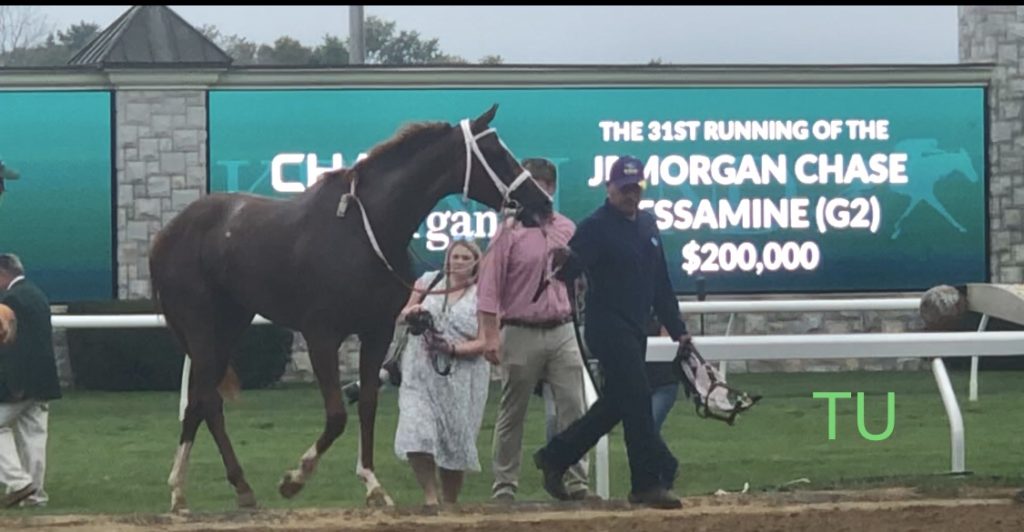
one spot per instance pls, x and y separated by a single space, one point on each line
473 248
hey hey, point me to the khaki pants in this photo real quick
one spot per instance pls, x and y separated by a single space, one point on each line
23 447
529 355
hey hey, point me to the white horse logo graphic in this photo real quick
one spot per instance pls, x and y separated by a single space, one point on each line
927 164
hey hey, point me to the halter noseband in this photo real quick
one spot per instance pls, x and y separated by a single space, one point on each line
473 147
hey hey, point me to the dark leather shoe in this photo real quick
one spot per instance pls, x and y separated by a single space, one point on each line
1019 497
668 478
660 498
13 498
552 476
584 495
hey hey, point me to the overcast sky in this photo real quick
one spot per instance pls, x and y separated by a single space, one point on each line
608 34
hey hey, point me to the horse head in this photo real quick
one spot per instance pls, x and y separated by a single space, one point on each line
964 166
493 175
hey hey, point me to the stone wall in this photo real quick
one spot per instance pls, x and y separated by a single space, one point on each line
995 34
161 168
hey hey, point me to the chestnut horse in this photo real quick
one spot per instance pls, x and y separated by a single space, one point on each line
329 262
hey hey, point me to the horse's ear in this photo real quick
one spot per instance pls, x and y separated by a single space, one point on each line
484 120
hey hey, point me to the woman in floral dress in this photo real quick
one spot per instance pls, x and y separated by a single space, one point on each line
440 415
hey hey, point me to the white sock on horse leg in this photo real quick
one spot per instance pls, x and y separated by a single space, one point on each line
179 471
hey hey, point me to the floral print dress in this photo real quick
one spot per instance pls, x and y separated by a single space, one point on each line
441 415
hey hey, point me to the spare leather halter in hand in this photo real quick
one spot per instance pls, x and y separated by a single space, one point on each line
472 148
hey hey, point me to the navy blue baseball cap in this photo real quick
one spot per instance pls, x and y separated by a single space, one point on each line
626 170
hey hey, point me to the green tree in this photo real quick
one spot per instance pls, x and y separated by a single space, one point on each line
386 45
56 50
78 35
241 50
331 52
212 32
286 51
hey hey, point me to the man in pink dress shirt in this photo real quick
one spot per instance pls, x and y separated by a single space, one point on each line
536 339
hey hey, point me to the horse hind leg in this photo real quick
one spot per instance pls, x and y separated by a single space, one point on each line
898 226
373 348
937 205
323 355
176 480
189 426
210 352
230 326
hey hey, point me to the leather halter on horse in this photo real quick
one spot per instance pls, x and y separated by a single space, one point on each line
472 148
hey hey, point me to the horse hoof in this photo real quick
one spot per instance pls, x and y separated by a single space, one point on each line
179 507
288 486
378 497
247 500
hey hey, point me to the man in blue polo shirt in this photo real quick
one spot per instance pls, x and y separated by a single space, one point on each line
619 248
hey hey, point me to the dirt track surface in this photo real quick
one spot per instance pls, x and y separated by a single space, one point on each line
879 510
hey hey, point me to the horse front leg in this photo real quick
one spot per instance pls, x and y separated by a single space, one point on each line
373 348
899 222
934 202
323 355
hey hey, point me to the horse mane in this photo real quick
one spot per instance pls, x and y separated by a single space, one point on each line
401 147
396 149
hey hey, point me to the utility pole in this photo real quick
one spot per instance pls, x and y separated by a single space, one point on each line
356 36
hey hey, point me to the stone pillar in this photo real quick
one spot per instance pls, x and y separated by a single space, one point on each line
160 156
995 34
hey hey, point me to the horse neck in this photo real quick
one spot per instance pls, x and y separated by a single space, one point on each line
944 164
398 200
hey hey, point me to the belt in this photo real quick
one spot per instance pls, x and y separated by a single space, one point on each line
546 324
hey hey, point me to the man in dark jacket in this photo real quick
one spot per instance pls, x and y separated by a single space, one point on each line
28 380
620 249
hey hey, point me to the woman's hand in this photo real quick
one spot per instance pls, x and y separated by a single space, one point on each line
437 344
468 349
409 310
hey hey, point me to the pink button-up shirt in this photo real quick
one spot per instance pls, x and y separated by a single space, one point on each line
516 263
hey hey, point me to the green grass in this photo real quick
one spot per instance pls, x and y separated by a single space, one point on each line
112 452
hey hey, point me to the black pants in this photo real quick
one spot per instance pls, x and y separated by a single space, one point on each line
626 397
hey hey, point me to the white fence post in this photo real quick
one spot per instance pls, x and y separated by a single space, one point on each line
956 421
973 386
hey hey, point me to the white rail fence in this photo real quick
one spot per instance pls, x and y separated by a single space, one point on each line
765 347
